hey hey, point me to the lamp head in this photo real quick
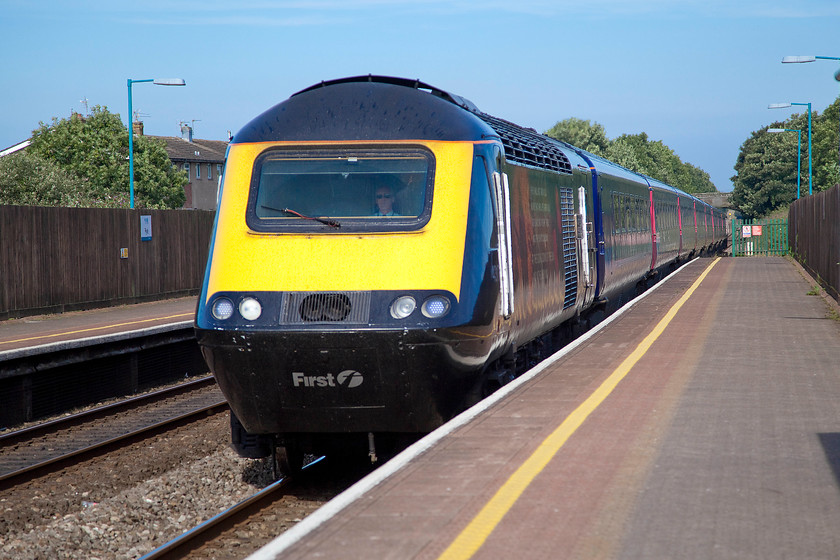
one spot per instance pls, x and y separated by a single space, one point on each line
798 59
779 105
170 82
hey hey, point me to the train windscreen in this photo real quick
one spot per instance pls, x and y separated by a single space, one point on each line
360 190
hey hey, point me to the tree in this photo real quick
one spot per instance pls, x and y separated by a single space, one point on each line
635 152
765 171
95 148
581 134
825 147
654 159
765 176
30 180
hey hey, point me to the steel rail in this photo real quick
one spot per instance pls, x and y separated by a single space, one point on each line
33 431
8 478
177 547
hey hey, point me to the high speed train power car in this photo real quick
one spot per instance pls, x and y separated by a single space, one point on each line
385 254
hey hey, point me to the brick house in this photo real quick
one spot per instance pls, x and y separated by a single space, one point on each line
204 162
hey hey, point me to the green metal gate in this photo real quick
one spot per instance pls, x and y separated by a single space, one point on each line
752 238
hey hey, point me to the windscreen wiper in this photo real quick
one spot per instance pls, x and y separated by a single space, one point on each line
331 223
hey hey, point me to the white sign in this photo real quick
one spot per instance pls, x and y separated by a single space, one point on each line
145 228
746 231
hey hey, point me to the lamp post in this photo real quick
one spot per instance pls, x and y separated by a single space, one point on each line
810 168
810 58
798 153
157 82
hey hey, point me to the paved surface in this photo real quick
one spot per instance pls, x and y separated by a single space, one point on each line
720 439
33 334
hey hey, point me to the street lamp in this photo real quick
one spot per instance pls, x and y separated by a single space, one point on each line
810 58
157 82
806 58
798 153
810 168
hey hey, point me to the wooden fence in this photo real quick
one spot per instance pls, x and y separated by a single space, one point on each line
814 229
60 259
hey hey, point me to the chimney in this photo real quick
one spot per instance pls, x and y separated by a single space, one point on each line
186 132
137 126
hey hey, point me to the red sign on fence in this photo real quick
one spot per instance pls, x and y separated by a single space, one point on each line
756 231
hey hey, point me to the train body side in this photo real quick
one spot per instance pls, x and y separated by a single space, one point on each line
626 232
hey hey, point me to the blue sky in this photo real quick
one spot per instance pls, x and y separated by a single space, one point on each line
696 74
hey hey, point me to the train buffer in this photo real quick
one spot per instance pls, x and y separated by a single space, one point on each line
701 422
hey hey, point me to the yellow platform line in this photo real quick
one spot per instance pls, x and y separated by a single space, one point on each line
479 529
92 329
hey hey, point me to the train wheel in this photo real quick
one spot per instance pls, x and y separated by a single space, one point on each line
288 459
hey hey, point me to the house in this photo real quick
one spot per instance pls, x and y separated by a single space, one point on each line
203 161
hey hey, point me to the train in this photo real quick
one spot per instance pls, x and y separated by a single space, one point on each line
385 254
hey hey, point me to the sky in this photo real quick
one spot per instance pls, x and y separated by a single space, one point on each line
696 74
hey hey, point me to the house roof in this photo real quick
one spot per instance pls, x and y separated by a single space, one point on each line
15 148
209 151
178 149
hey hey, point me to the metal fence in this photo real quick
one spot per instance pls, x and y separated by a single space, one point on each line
60 259
815 237
759 237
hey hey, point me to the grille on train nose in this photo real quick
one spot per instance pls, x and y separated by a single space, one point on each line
325 307
329 307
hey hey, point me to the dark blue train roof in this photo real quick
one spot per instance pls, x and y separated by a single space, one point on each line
388 108
365 108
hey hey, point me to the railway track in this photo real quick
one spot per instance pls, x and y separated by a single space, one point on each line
52 444
215 528
253 522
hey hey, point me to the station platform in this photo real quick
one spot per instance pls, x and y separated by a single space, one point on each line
48 333
701 421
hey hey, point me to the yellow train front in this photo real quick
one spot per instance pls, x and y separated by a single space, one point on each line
360 278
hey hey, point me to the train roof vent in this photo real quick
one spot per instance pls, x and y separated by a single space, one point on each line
526 146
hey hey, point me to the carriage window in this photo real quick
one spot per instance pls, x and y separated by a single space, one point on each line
344 190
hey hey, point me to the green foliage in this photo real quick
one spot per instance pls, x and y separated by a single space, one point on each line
157 184
635 152
765 178
655 159
826 137
765 171
95 149
581 134
30 180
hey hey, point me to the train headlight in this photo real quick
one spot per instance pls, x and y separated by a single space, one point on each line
403 307
435 307
250 309
222 308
